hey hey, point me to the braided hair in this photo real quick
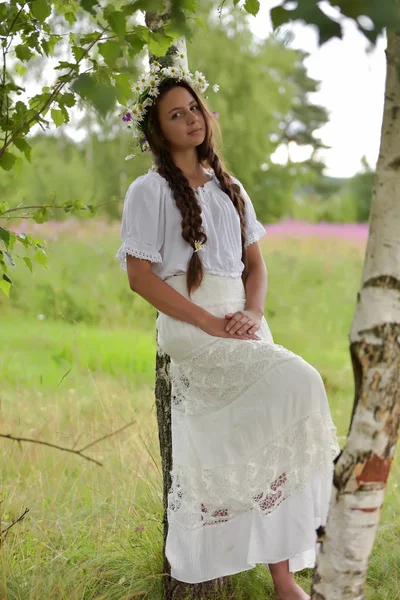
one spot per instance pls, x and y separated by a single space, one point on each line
184 195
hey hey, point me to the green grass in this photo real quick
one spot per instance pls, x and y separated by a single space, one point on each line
77 361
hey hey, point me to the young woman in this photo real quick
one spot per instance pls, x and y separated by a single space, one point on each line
253 440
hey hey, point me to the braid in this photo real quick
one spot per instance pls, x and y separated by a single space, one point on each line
192 223
233 191
185 197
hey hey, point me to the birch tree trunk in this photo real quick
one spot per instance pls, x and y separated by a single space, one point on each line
172 589
362 468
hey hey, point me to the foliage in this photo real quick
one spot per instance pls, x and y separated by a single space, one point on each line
370 16
263 103
97 71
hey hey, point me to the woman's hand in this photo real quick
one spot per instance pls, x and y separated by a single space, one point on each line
216 326
242 322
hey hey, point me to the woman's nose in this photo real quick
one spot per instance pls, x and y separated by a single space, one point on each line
192 117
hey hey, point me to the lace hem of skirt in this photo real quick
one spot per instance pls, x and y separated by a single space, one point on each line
201 497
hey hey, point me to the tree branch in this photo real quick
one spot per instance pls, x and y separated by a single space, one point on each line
45 206
78 452
52 97
7 529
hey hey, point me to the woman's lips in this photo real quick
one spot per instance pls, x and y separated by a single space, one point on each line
193 132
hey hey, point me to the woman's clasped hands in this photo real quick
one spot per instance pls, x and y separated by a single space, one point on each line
240 325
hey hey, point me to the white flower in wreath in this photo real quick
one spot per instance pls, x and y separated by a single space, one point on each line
200 81
154 91
153 81
143 80
137 113
147 102
137 88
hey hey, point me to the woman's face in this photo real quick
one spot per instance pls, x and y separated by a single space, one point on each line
181 120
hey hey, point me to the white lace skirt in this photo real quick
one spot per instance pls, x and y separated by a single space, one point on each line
253 444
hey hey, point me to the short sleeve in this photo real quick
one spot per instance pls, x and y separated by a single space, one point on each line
254 229
140 225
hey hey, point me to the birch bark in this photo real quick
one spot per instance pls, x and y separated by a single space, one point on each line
363 466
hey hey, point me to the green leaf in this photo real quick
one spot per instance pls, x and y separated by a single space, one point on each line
5 286
67 65
7 161
152 6
41 215
88 38
20 69
252 6
24 146
117 22
135 41
89 5
70 17
45 46
123 87
65 113
78 52
66 99
23 52
19 163
102 95
159 43
311 14
201 23
41 258
40 9
110 51
57 116
189 5
328 29
28 262
279 16
9 259
4 235
52 41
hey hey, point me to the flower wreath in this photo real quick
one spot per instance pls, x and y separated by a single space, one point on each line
147 90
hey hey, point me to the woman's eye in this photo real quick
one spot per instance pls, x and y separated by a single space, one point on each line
178 114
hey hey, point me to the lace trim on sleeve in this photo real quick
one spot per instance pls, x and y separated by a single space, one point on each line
127 248
255 234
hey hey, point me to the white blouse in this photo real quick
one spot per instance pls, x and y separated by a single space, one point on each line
151 227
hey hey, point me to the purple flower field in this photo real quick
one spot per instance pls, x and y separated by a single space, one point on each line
347 232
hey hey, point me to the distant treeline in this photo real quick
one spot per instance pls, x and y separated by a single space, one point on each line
95 172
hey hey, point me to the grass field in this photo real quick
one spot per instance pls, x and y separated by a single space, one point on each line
77 362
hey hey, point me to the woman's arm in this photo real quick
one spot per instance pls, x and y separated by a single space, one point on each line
257 280
161 295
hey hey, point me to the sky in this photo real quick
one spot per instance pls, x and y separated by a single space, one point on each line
352 90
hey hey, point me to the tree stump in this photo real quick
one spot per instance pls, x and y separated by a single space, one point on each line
174 589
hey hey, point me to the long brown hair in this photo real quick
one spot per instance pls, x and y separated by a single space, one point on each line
184 195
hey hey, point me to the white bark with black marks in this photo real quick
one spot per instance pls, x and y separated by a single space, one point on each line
362 468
